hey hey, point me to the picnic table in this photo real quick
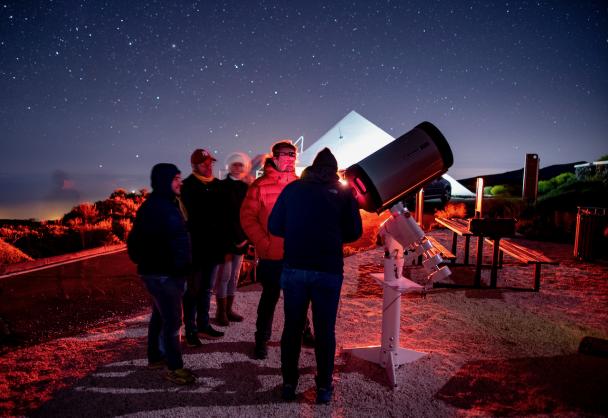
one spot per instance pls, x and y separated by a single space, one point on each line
462 227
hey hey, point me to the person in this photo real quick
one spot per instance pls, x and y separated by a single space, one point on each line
315 215
204 201
160 246
235 184
279 171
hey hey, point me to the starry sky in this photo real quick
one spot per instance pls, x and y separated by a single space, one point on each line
96 92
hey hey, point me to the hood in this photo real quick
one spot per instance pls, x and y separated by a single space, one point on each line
161 178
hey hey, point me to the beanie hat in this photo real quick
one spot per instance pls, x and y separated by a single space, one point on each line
239 157
200 156
326 159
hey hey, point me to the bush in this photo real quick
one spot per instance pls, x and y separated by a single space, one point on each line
563 178
499 190
545 186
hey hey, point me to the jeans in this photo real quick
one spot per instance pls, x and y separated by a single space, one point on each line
166 318
269 275
228 275
301 287
197 299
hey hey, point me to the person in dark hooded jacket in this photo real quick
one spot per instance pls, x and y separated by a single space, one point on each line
159 244
315 215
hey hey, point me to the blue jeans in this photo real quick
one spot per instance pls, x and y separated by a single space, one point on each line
197 299
166 318
301 287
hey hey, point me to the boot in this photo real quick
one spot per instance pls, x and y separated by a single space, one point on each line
232 316
220 315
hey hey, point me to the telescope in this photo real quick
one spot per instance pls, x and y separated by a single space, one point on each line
380 182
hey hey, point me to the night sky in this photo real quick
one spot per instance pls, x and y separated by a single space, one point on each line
95 93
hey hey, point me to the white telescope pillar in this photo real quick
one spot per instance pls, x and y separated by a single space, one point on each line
398 232
389 355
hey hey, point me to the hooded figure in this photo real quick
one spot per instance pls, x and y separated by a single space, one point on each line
159 242
315 215
160 246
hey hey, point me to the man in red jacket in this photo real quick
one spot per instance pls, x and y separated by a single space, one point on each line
279 171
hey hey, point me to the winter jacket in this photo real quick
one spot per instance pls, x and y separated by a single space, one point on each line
256 207
159 242
316 215
235 191
207 220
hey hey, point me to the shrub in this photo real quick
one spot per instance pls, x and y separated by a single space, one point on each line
84 213
452 210
563 178
121 228
499 190
545 186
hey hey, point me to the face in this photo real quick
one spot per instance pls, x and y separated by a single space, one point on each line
176 184
205 168
237 170
285 160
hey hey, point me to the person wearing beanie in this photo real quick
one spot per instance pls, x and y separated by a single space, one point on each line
160 246
204 199
279 171
235 185
315 215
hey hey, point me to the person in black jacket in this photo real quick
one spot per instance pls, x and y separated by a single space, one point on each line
205 202
235 185
160 246
315 215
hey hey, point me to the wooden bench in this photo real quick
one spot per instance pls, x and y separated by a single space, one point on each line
459 227
439 248
523 254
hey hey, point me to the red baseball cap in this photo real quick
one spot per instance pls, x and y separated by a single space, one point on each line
200 156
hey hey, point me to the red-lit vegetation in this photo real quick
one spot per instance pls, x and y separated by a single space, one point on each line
87 225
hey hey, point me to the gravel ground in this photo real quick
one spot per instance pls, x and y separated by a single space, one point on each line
488 353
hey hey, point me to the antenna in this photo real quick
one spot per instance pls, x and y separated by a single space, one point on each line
340 132
300 141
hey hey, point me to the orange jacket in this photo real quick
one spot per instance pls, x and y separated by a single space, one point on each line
255 210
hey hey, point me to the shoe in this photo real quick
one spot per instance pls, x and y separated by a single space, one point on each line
210 333
324 395
158 364
308 339
288 393
260 351
192 340
181 376
220 315
232 316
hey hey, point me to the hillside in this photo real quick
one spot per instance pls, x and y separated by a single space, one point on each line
10 254
516 177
